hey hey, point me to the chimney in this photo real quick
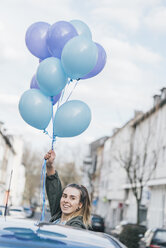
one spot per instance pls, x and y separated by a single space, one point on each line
163 93
157 99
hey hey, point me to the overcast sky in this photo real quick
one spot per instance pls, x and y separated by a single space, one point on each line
133 34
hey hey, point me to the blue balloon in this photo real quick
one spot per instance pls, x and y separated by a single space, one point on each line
34 85
82 28
71 119
58 35
35 39
35 108
79 56
51 76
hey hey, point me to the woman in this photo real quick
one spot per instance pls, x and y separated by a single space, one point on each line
70 206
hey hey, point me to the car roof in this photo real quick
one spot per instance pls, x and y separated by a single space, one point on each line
14 233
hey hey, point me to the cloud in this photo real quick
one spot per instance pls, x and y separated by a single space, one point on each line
156 20
128 14
9 99
129 79
125 50
124 16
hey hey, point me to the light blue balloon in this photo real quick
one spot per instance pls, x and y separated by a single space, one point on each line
51 76
71 119
35 108
79 57
82 28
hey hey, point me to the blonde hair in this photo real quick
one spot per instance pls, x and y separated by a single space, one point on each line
85 210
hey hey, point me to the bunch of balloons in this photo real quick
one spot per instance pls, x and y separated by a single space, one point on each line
66 52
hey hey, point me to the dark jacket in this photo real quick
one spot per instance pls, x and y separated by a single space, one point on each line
54 193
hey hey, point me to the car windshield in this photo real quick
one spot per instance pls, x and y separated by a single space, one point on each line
96 218
161 236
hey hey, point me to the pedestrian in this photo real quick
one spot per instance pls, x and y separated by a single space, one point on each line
70 206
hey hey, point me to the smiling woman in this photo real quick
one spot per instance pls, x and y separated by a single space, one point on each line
70 206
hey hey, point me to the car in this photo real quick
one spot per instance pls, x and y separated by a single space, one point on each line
119 228
25 233
97 223
155 238
123 225
17 212
28 212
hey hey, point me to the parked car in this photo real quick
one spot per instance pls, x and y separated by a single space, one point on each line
17 212
28 212
97 223
124 225
118 229
155 238
16 233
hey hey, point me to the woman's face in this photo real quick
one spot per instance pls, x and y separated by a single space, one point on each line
70 200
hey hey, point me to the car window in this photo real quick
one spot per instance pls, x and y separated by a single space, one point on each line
160 235
98 219
16 210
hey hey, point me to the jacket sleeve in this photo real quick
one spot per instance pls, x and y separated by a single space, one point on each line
54 192
77 224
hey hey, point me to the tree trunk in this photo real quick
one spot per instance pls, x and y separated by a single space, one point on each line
138 211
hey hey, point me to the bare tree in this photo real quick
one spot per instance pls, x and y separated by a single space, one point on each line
33 165
139 163
68 173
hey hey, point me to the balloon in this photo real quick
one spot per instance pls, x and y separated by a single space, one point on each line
82 28
35 39
56 98
34 84
100 62
79 56
35 108
58 35
51 76
71 119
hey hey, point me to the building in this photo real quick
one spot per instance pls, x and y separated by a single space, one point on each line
91 168
139 147
11 168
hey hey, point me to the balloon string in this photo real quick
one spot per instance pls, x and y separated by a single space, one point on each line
46 132
63 92
60 99
72 89
43 178
53 136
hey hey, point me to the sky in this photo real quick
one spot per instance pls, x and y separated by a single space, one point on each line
133 34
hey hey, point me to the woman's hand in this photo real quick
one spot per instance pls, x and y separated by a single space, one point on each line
50 156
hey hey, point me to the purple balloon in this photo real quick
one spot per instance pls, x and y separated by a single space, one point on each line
35 39
100 62
58 35
56 98
34 85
